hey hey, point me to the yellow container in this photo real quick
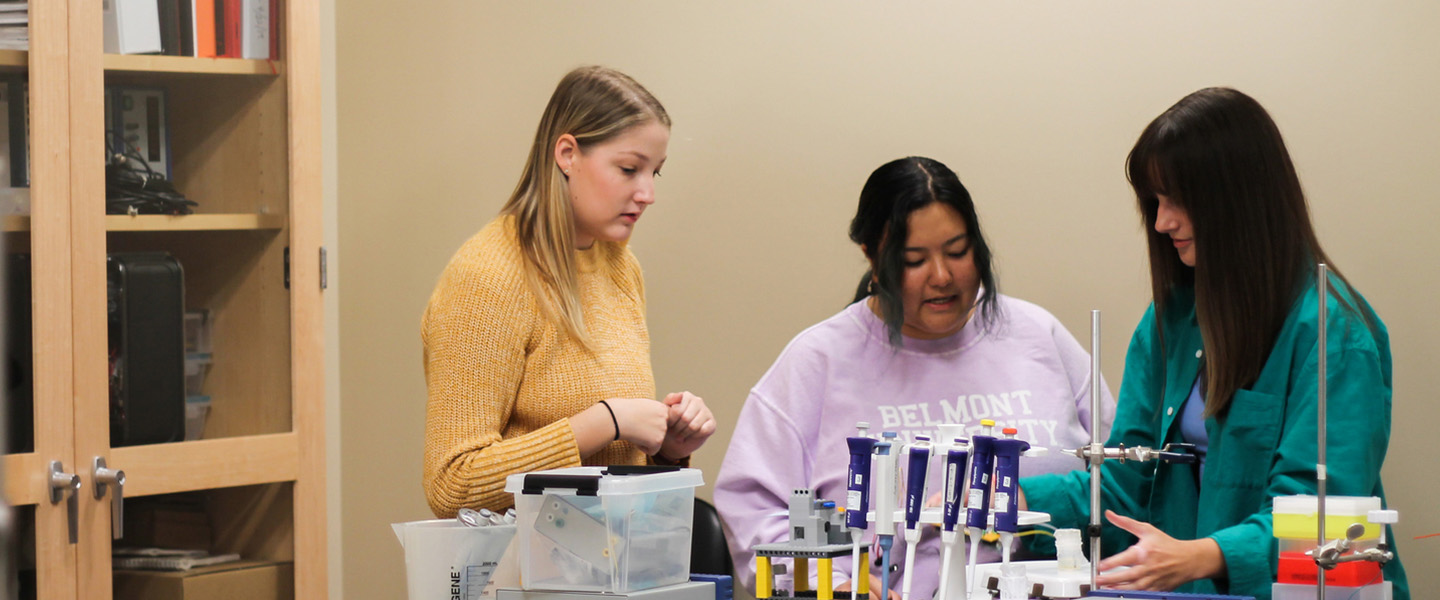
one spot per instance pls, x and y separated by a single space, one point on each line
1297 517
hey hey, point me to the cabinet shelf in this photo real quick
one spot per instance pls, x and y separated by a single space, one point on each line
197 222
146 63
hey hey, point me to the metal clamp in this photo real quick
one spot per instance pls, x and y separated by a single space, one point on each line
60 483
1174 452
104 478
1337 551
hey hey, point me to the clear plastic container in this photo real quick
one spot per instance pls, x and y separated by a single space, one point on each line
594 529
197 409
1297 517
197 332
197 365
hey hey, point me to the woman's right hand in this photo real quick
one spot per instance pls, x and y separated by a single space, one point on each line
642 422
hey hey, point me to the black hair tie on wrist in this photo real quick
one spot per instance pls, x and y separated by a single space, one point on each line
613 420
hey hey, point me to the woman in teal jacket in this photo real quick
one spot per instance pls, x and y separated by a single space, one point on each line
1225 358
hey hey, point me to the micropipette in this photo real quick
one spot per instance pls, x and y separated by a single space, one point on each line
916 471
982 461
954 480
857 497
887 485
1007 473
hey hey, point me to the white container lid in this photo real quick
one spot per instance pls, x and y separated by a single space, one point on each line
604 482
1334 505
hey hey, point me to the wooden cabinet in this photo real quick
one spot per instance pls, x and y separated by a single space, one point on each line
244 139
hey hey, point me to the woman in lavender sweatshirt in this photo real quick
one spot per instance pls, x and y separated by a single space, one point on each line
928 340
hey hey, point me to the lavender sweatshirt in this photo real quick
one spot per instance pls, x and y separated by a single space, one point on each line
1026 372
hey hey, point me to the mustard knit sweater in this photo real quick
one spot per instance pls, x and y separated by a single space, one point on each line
503 380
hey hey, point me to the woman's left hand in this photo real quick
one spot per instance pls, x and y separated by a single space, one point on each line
690 425
1159 562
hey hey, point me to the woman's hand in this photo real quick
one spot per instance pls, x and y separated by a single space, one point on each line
689 425
642 422
1159 562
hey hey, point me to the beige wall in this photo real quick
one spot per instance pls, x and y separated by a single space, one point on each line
782 109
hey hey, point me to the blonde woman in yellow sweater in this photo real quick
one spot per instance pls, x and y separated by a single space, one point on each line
536 351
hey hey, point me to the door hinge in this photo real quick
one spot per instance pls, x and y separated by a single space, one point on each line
324 268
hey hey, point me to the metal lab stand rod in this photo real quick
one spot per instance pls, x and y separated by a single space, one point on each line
1097 450
1323 289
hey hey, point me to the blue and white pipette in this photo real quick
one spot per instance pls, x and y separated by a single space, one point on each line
955 460
857 497
916 470
883 495
982 463
1007 474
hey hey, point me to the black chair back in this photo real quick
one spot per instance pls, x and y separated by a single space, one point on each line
709 553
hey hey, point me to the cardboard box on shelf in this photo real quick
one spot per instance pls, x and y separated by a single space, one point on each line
247 580
166 523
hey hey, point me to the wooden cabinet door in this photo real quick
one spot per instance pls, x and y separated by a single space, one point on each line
38 252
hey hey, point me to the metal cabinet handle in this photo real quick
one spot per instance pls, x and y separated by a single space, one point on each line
104 478
60 483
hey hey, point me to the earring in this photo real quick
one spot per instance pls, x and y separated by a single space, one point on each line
870 289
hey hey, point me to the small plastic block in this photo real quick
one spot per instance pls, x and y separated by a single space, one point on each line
1383 517
724 584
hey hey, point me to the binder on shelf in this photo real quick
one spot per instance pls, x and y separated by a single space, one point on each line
255 29
132 26
204 14
169 11
222 45
185 13
177 27
17 121
230 20
14 25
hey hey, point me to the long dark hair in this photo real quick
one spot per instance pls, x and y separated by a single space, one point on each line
882 224
1219 156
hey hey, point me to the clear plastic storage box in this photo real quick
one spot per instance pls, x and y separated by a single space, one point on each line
604 529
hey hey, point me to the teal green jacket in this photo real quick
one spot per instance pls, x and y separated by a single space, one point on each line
1263 447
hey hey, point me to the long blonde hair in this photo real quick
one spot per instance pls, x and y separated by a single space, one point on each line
593 104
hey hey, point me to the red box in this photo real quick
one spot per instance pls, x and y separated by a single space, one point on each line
1295 567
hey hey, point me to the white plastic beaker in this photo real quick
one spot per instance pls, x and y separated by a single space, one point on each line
448 560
